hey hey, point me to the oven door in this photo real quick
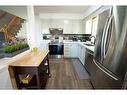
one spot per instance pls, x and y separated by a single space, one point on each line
56 49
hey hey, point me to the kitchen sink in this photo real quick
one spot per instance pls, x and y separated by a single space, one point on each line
89 44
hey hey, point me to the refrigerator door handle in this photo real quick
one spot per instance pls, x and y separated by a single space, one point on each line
103 36
104 70
106 33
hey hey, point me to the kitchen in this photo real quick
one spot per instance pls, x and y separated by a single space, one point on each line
85 46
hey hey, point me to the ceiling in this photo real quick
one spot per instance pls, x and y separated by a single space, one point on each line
60 9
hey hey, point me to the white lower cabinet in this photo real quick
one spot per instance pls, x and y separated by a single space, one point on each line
74 50
67 52
71 50
81 53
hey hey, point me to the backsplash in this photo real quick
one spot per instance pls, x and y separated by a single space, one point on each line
74 37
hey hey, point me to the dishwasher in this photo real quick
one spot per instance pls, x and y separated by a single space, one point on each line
89 60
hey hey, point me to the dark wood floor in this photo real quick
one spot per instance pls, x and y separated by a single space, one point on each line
64 76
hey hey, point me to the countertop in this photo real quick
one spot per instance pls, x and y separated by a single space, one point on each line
33 59
81 43
88 47
75 42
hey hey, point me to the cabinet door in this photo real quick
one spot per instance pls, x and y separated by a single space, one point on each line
45 26
60 24
67 27
67 50
77 27
74 50
82 55
53 24
79 52
56 23
83 26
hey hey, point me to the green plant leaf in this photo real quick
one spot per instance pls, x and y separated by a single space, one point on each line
13 48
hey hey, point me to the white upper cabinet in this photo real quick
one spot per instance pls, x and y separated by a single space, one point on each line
45 26
56 23
77 26
52 24
67 29
60 24
69 26
83 26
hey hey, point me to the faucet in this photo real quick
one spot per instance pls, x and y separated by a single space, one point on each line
94 39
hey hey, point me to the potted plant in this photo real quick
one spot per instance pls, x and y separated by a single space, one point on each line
13 50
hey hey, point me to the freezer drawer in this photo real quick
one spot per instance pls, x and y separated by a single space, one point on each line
101 80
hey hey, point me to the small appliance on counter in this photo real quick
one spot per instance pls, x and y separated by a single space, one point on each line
74 38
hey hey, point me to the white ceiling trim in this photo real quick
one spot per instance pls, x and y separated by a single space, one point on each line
69 15
60 16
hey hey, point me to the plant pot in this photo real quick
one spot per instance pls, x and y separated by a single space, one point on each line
15 53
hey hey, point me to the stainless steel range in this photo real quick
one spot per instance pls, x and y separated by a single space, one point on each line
56 46
56 50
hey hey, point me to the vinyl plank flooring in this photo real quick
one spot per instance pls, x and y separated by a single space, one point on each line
64 76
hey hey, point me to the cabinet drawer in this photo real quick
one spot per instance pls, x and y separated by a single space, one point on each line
67 50
66 53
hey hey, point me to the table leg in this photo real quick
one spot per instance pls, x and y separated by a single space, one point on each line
38 79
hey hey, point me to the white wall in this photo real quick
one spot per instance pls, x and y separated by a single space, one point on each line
22 32
30 24
5 82
38 30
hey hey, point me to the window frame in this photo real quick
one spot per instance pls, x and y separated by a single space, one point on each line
92 21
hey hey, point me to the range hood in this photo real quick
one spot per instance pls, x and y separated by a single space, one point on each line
56 31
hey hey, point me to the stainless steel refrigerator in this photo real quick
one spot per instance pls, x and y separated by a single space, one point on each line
110 56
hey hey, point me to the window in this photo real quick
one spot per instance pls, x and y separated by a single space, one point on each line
88 26
91 26
94 26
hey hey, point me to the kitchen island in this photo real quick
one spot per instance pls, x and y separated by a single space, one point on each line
30 71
